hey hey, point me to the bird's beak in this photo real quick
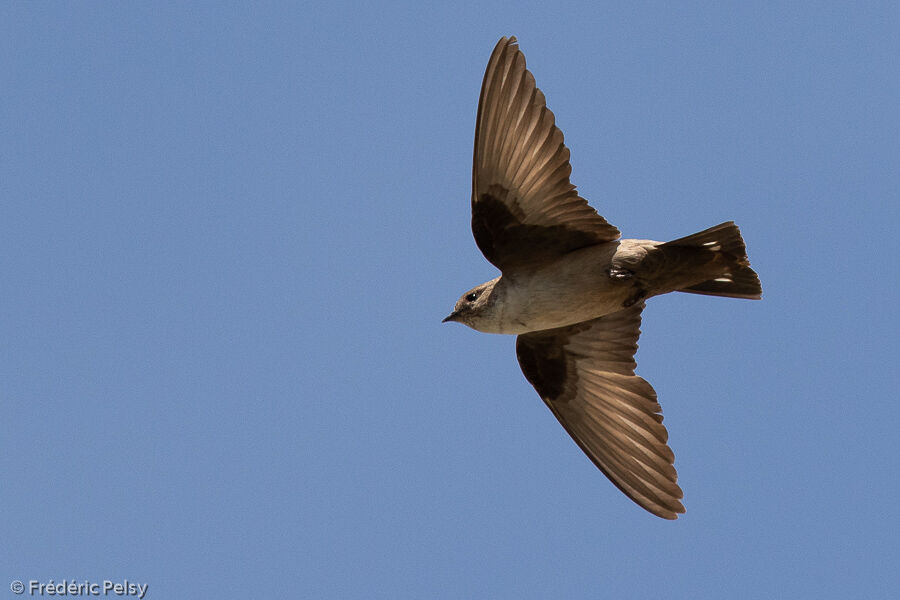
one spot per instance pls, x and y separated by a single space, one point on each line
450 317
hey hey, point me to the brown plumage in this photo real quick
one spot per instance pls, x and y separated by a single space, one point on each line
573 291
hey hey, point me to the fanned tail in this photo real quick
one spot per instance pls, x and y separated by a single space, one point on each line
741 281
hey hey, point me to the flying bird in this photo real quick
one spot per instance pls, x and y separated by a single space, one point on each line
573 291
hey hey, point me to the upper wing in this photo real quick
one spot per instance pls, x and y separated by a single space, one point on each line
585 374
524 209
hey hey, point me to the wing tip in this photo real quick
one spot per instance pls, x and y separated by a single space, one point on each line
668 514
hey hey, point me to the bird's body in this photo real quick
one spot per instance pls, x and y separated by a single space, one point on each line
573 291
530 297
588 283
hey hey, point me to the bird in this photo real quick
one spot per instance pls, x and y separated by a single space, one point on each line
572 290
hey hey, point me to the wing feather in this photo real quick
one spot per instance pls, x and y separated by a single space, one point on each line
585 375
524 209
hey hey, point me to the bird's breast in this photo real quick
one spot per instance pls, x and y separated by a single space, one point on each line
575 288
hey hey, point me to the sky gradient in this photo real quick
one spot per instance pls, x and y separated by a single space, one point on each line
229 233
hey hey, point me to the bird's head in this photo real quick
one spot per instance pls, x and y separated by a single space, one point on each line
475 307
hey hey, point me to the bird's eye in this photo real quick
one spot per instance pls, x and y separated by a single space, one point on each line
472 297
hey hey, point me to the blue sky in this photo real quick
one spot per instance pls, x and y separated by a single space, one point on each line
228 235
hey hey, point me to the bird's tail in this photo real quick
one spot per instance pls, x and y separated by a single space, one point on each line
740 281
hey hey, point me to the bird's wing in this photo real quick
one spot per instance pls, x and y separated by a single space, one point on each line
524 210
585 375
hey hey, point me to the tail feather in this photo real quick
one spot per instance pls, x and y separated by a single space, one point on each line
741 281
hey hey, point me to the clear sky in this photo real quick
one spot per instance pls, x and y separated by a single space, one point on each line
229 232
